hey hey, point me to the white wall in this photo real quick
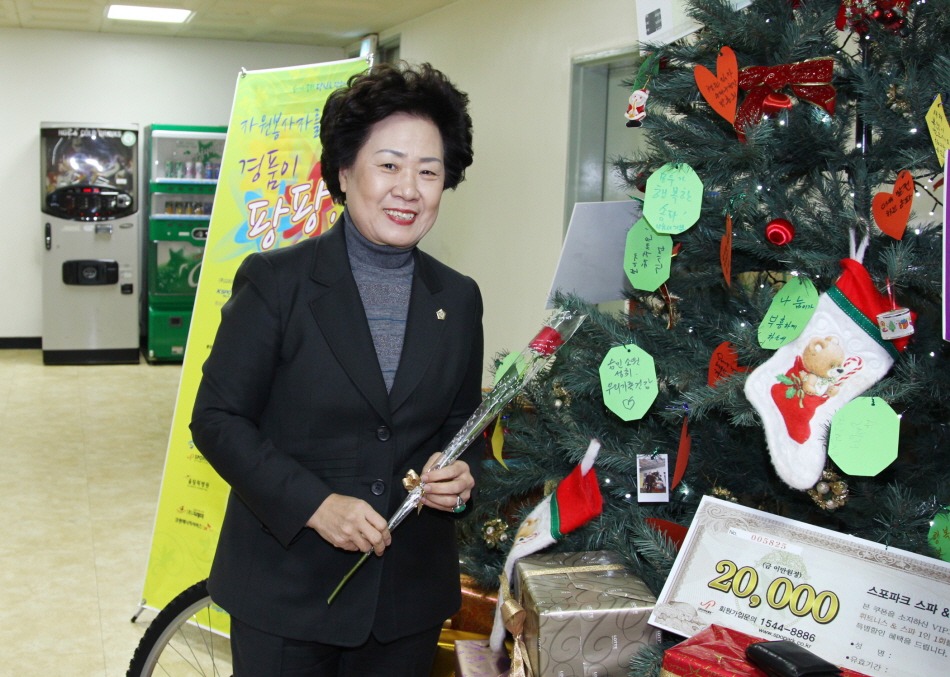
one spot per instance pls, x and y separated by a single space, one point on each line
138 79
503 225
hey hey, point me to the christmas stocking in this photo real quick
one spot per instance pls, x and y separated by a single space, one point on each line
838 356
574 503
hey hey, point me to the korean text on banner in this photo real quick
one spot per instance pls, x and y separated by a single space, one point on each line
270 195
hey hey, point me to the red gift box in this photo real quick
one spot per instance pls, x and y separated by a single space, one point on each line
478 608
717 652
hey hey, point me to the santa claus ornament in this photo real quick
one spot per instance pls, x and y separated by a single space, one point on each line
840 354
636 104
636 108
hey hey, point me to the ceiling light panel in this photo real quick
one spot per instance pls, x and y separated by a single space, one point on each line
158 14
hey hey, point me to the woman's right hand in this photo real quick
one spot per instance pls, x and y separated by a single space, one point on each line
351 524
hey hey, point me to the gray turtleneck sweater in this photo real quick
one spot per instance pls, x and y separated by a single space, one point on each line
384 277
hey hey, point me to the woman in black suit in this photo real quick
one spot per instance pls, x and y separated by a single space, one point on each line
340 364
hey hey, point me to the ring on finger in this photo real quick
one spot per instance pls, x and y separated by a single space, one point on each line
459 504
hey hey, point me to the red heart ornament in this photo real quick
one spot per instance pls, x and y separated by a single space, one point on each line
721 90
724 363
892 210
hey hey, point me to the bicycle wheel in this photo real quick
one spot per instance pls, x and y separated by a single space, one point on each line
180 641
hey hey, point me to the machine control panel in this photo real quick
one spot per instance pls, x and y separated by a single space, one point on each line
89 203
91 272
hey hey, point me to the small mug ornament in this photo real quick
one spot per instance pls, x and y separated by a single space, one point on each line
895 324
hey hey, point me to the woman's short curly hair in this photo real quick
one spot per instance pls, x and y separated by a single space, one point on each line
376 94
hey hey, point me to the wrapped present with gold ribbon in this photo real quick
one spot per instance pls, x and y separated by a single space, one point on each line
584 614
721 652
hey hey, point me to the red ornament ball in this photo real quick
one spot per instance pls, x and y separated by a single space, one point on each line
640 182
780 231
775 102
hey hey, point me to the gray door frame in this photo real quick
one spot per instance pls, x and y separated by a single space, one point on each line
588 124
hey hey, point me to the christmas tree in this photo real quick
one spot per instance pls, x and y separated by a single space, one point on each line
797 178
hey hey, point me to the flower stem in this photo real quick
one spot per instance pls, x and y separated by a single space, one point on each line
347 577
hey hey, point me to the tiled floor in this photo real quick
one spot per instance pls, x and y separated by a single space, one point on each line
81 456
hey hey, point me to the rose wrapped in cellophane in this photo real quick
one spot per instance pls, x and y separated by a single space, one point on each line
539 353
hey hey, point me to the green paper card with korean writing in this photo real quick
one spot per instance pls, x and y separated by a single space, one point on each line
628 381
647 256
673 200
864 436
790 311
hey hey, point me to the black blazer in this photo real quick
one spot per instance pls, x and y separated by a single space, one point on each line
292 407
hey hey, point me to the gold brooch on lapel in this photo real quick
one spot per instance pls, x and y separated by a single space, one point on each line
440 314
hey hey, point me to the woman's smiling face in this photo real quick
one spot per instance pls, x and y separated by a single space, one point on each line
394 185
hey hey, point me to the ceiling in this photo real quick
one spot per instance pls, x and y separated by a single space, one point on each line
307 22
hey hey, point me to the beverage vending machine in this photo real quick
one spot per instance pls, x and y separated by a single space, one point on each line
91 234
183 167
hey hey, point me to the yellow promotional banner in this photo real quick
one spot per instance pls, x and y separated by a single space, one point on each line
270 194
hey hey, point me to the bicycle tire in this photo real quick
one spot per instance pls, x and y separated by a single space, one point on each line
179 644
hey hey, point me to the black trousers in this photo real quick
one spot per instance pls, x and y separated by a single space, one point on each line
259 654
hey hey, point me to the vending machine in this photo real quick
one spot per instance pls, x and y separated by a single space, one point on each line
183 165
91 232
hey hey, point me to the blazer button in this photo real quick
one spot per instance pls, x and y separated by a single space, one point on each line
378 488
382 433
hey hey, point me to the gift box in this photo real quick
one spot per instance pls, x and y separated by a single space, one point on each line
717 652
444 663
478 608
474 658
586 616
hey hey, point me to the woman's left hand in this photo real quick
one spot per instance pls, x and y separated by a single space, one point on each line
445 486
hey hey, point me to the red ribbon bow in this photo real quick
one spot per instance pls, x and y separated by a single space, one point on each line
809 80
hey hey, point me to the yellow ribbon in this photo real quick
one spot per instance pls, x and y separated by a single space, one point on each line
448 637
513 616
498 442
410 482
571 570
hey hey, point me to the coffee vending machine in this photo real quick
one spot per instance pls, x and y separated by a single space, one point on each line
91 230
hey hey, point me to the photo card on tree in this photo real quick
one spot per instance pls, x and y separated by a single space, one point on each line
653 478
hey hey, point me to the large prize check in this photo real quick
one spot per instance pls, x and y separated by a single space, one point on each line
878 610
